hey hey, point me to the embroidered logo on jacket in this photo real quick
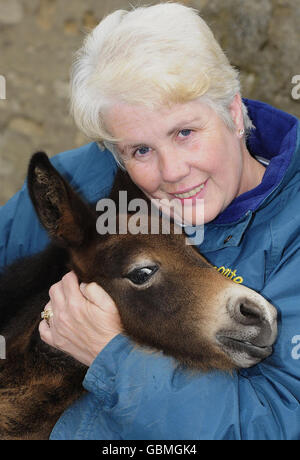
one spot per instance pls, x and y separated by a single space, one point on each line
231 274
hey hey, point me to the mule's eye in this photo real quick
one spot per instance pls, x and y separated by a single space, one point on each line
141 275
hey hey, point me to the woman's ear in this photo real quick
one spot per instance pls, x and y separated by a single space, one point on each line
236 112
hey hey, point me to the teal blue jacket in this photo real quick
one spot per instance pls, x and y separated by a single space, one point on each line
135 395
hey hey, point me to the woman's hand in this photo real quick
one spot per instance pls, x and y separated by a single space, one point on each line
84 320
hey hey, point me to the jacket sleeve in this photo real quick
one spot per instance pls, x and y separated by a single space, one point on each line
142 395
137 394
89 171
20 231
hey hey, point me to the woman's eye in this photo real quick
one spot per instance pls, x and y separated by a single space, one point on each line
185 132
142 150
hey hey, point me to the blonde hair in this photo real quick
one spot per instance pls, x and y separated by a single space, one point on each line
157 55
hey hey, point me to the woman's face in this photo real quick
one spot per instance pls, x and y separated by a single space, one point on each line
185 153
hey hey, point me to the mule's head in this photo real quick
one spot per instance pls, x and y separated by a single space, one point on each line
169 297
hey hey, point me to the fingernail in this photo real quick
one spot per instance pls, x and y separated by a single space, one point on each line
82 286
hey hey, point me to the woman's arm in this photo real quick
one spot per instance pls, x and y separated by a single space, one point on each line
20 231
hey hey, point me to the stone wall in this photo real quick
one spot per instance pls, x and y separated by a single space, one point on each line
39 37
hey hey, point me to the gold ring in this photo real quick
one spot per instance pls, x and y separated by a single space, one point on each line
46 315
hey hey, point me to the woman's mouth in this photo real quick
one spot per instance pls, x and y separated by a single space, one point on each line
192 193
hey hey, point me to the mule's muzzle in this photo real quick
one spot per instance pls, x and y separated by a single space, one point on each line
251 329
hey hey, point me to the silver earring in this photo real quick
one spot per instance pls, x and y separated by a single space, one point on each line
241 132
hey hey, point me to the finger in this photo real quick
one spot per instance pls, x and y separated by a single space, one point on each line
71 289
45 332
56 294
98 296
48 306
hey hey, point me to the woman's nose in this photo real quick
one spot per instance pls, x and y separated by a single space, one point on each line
173 165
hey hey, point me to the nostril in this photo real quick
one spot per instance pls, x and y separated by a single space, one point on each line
249 312
246 312
251 319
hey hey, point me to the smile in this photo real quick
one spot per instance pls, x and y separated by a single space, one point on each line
190 193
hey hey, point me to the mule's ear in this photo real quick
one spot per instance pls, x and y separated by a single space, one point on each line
67 219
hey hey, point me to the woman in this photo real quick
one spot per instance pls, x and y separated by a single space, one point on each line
153 87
